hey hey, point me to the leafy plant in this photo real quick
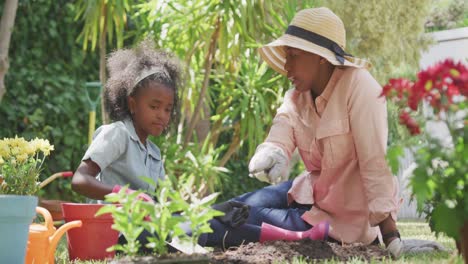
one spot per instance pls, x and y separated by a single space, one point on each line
167 219
440 180
199 211
21 163
128 217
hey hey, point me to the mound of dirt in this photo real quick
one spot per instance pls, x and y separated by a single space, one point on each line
272 252
286 251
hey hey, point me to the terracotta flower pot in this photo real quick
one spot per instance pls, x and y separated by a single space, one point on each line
54 207
95 235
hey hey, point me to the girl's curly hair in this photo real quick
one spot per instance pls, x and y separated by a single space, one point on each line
125 67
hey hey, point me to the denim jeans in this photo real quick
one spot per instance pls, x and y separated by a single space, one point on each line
267 205
270 205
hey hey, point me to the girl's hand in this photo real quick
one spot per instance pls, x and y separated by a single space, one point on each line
142 196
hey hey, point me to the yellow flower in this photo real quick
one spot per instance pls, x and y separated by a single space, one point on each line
21 164
22 157
18 142
43 145
4 149
30 149
15 151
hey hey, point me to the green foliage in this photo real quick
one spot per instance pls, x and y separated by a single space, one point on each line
389 33
440 183
45 85
163 219
198 212
102 17
128 217
447 15
196 161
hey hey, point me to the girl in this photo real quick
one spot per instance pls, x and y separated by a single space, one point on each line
141 97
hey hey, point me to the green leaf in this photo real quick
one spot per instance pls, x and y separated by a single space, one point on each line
446 220
394 152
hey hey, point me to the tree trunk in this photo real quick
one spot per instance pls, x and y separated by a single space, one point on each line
204 125
102 63
201 99
6 27
233 147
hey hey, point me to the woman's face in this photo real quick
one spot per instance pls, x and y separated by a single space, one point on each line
302 68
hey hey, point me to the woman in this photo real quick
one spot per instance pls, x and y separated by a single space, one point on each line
336 119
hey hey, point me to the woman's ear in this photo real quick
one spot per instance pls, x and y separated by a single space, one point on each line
131 104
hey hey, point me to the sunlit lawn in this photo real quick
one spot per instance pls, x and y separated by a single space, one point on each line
408 229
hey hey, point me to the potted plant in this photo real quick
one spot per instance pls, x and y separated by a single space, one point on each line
20 165
440 180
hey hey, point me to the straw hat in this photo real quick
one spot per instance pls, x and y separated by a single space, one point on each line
315 30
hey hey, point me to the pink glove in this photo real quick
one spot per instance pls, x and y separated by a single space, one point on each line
142 196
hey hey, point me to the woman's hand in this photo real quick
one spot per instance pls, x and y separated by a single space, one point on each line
269 164
235 213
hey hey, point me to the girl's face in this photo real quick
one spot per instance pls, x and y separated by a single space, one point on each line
151 109
302 67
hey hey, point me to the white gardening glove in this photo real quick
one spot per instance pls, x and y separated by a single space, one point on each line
398 247
269 164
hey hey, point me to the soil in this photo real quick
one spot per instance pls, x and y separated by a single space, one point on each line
274 252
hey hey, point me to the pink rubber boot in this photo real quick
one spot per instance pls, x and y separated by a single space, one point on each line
317 232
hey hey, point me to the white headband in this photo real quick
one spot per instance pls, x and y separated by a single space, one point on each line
150 71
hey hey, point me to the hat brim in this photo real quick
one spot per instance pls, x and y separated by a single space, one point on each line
275 56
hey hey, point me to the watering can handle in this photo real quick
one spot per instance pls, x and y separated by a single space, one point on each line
47 217
64 174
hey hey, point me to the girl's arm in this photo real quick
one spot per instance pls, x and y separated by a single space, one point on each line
84 181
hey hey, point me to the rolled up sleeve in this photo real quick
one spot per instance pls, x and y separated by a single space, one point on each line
368 121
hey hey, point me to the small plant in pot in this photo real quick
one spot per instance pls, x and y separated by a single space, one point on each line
440 179
20 165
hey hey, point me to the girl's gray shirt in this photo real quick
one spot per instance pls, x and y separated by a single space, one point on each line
122 158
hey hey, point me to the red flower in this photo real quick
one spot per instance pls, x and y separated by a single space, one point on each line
397 87
410 123
437 85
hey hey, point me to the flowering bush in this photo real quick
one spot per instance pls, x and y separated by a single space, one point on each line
21 163
440 180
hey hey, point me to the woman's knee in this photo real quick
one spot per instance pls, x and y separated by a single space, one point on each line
273 196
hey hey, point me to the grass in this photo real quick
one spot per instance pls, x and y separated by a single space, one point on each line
409 229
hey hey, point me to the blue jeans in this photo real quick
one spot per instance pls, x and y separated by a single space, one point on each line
268 205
